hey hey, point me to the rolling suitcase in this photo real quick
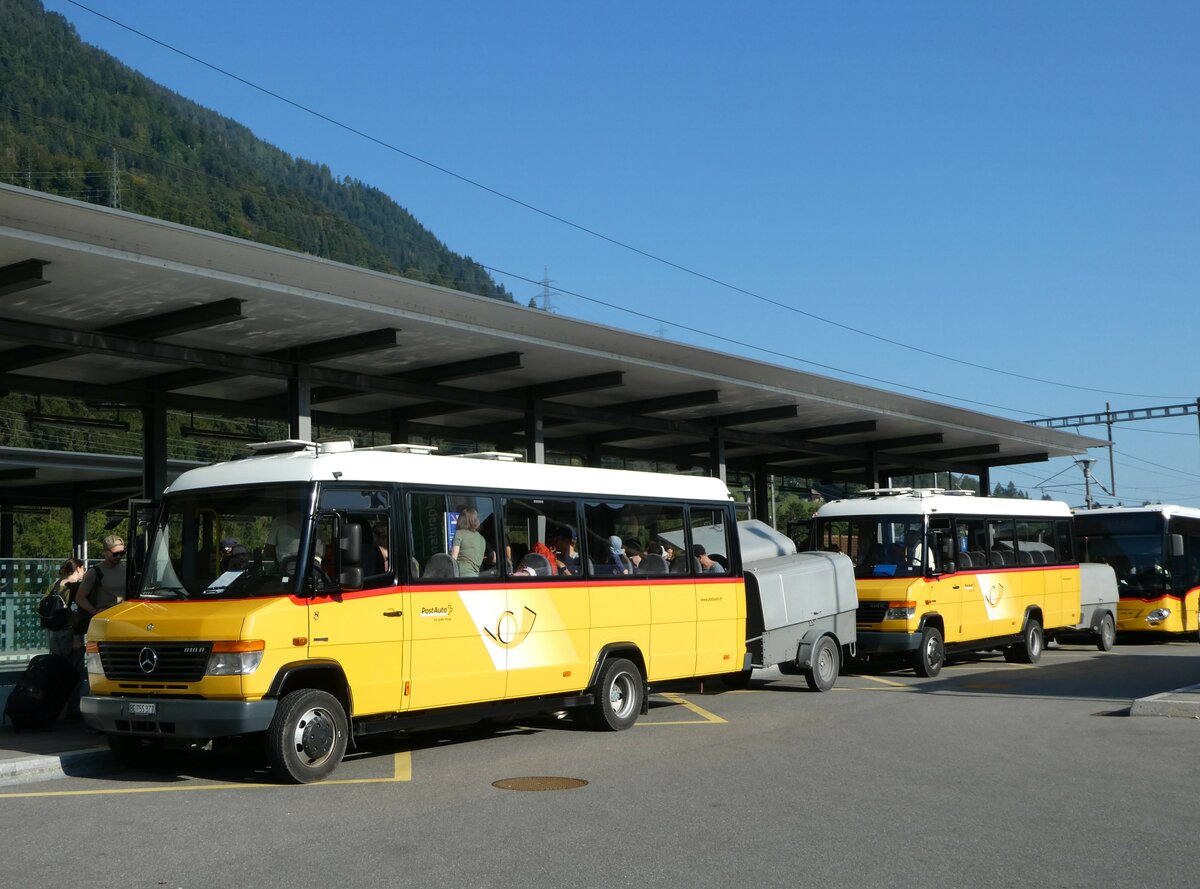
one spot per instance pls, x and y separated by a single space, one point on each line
41 693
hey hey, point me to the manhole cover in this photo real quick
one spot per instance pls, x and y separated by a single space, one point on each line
539 782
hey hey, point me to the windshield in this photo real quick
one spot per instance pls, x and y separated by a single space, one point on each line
879 546
227 543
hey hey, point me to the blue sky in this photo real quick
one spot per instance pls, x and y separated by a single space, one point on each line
1009 185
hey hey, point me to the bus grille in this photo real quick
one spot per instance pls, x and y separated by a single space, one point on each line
161 661
871 612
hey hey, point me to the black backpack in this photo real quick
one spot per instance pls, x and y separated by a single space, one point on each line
53 611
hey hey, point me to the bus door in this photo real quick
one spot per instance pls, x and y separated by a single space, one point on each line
978 590
456 600
545 629
355 608
942 592
933 591
718 629
1067 575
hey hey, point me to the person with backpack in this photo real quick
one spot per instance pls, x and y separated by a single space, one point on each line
103 585
54 610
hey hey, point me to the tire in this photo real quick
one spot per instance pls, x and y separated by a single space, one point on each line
1107 637
1029 649
618 696
307 738
930 657
822 672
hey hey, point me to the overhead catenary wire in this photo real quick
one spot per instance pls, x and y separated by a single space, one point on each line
587 230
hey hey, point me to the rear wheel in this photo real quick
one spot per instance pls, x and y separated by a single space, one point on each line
1029 649
618 696
930 657
826 662
1107 637
307 737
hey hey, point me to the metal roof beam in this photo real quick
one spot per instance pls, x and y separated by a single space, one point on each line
957 453
459 370
1012 460
669 402
835 429
454 370
339 347
22 275
556 389
205 315
744 418
151 327
910 441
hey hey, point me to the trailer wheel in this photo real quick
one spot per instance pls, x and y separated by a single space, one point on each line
930 657
618 696
1107 636
1029 649
822 672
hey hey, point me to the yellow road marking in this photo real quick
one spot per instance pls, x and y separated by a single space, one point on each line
401 771
881 680
706 718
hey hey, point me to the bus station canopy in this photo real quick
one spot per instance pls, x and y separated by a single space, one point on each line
109 307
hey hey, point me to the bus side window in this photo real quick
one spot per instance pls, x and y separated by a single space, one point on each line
1064 551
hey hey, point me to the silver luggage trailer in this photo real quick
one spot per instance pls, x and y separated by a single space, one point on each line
1097 608
799 606
804 619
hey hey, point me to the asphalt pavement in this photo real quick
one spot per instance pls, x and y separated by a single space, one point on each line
69 749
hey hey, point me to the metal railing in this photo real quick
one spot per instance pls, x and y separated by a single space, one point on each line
23 582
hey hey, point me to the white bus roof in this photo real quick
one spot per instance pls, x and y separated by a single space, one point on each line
1164 509
930 501
343 463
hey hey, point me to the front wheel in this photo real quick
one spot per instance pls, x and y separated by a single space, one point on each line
931 655
1029 649
307 737
1107 637
618 696
822 671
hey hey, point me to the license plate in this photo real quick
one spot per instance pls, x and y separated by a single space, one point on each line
140 708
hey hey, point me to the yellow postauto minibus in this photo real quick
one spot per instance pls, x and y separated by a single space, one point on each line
314 593
943 571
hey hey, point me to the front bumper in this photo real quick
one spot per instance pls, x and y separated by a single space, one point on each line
183 718
880 642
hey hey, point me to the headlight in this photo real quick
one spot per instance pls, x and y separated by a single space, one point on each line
91 658
900 611
1158 614
235 658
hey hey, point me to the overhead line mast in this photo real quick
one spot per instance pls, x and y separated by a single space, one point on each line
1109 416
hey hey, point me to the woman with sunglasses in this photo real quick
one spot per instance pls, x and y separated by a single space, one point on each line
103 585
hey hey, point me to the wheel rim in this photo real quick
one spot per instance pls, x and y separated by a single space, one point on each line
1108 632
1034 646
621 695
934 653
315 735
825 669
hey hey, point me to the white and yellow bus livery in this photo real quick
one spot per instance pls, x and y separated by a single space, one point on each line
312 594
943 571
